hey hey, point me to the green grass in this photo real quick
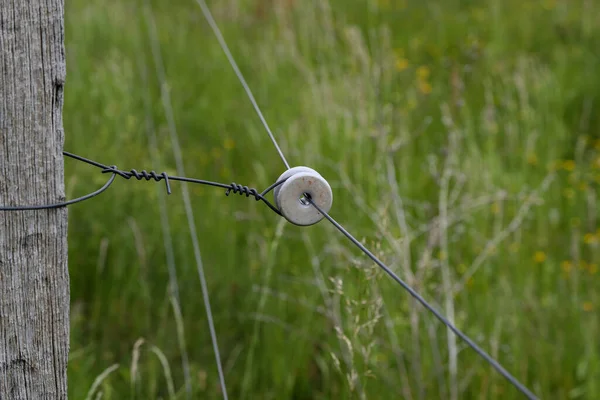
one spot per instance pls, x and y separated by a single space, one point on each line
462 141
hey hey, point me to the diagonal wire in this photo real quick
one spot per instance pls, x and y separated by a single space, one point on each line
166 100
168 243
221 39
429 307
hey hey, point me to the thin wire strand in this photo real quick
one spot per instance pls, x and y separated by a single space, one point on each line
213 24
167 240
62 204
231 187
524 390
166 100
273 186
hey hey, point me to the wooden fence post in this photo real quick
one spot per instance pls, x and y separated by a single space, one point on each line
34 278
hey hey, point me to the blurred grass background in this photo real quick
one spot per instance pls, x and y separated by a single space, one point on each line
462 141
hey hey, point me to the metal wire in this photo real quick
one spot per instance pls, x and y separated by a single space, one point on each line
168 109
62 204
145 175
245 190
522 388
173 286
223 44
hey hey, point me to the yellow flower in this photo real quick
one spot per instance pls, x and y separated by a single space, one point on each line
425 87
495 208
228 144
549 4
569 193
568 165
592 269
588 306
539 257
532 159
384 4
566 266
423 72
401 64
553 166
590 238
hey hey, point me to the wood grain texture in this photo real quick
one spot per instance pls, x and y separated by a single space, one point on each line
34 279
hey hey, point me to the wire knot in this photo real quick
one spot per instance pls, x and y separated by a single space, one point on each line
243 190
149 176
152 175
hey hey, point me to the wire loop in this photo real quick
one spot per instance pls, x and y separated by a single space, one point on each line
62 204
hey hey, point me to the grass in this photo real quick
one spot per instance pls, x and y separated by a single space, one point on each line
462 141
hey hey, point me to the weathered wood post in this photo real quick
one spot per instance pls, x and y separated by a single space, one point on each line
34 279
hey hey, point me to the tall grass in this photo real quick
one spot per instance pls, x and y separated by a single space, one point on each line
462 141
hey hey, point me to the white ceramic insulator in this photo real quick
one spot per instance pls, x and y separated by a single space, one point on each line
286 175
301 180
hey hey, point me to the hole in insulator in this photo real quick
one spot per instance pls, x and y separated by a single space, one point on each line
304 199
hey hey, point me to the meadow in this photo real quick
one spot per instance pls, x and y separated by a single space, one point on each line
462 143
